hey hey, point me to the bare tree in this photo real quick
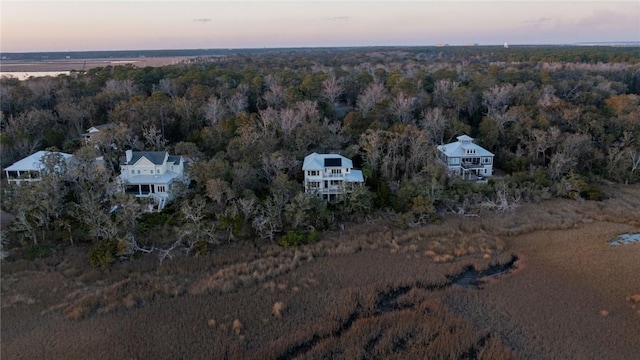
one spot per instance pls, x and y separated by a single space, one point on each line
76 114
43 89
25 131
237 103
497 99
332 88
269 119
402 107
168 86
220 192
125 88
374 94
289 120
504 199
274 96
214 110
542 141
195 228
154 138
435 123
373 145
547 96
308 110
443 93
268 221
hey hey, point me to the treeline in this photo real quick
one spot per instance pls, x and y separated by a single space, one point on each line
558 128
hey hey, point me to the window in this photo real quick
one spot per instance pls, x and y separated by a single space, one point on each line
157 171
133 171
313 185
138 172
336 182
336 171
313 172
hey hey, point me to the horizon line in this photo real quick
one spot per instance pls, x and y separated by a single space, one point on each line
631 43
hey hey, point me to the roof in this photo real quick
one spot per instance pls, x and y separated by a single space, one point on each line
174 159
101 126
156 157
96 128
354 176
34 161
458 148
317 161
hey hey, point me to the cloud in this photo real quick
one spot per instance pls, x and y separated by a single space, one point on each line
541 20
203 20
340 18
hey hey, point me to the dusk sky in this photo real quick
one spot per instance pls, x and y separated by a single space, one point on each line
126 25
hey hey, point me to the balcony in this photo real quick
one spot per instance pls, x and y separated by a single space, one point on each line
471 165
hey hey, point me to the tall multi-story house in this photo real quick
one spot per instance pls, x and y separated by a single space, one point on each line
151 174
329 175
466 159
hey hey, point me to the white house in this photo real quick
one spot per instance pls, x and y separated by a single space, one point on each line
29 168
92 131
330 175
466 159
151 174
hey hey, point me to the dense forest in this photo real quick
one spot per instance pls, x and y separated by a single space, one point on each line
562 121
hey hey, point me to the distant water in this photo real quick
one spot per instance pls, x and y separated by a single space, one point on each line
23 75
625 239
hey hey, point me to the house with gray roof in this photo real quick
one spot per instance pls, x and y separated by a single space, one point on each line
466 159
329 175
151 174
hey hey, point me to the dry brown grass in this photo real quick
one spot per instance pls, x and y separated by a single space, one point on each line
128 293
371 291
277 309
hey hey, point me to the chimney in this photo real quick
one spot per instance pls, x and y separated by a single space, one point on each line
129 155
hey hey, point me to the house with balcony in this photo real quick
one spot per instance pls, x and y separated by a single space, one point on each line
466 159
330 175
31 167
151 174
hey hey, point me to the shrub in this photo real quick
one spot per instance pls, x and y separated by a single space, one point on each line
103 253
592 192
39 251
297 238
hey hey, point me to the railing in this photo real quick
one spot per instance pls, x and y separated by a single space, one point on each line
471 165
329 175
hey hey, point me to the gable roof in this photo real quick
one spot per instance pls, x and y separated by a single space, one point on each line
34 161
460 147
315 161
175 159
156 157
96 128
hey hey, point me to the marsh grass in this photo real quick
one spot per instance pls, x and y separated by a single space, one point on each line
369 291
